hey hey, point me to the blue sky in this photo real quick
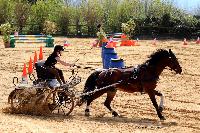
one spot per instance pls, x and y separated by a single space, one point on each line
188 5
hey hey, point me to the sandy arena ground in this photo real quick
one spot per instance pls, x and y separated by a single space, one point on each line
182 92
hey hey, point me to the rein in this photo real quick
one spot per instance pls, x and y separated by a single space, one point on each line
98 89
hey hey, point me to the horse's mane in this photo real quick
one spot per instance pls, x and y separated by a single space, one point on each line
158 55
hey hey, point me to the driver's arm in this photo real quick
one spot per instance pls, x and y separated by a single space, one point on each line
63 62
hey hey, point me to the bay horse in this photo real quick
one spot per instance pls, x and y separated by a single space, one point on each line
142 78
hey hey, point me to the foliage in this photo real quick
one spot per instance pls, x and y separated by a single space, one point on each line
63 20
101 34
128 27
49 28
21 13
42 11
82 16
76 19
92 14
5 11
6 31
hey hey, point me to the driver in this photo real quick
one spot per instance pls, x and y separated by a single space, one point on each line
52 60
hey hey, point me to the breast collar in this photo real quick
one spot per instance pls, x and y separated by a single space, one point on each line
137 73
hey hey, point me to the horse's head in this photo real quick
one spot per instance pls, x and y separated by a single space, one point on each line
173 63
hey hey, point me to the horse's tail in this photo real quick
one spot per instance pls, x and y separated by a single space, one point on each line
90 85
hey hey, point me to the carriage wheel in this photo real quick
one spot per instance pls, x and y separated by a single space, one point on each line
60 102
15 98
11 94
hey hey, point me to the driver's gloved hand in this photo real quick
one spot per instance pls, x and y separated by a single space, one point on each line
77 66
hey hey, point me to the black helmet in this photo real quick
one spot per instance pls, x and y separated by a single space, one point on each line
58 48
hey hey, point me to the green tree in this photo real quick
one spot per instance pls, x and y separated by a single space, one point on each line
5 11
21 14
92 14
42 11
49 28
63 20
110 15
128 27
76 19
6 31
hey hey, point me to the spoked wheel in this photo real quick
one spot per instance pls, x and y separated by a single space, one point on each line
60 102
15 98
11 95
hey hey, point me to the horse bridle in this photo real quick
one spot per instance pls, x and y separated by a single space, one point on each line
173 65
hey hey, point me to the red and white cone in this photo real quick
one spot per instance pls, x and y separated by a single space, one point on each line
24 75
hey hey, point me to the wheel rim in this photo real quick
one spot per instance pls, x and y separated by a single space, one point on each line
16 100
60 102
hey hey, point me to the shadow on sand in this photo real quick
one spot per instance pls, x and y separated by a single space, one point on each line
139 122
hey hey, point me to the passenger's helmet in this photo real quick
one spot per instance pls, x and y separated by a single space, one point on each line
58 48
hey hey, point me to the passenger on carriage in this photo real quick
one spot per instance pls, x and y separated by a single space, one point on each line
52 60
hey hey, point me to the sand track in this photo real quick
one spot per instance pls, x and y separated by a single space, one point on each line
182 92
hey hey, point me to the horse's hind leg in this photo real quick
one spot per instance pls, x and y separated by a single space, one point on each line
161 106
153 99
110 96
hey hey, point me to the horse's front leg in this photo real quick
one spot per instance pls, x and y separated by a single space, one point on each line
153 99
110 95
87 110
161 106
90 99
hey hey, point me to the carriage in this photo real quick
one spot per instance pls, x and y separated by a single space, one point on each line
61 99
44 92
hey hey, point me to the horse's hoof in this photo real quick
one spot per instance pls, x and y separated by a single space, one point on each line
87 114
162 118
79 103
115 114
160 109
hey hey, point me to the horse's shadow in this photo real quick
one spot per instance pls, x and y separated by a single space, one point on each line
139 122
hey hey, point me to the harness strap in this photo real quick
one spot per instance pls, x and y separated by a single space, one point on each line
136 74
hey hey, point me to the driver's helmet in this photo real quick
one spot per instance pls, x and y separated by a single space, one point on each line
58 48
